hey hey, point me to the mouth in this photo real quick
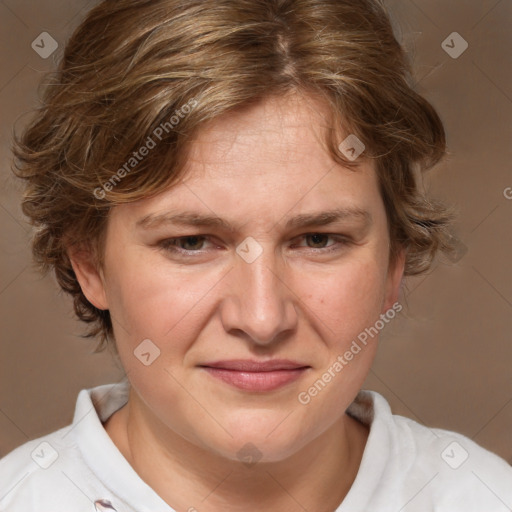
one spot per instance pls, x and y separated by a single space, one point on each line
250 375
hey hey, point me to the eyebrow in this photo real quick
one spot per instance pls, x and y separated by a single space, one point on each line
323 218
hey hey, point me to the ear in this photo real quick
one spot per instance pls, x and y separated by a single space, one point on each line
394 280
89 276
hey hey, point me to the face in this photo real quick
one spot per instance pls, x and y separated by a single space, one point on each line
244 316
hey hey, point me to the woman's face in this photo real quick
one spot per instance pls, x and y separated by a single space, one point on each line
259 281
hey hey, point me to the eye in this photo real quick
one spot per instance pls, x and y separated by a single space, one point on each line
317 239
320 239
184 244
193 245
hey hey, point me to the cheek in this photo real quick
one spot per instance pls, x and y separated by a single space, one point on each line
347 300
348 304
150 301
153 301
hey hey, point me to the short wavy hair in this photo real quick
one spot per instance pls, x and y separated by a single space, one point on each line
136 70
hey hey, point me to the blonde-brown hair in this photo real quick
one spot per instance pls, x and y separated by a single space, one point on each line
136 70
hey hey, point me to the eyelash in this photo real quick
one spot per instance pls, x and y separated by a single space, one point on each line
169 244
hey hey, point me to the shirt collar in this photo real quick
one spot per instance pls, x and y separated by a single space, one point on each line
94 406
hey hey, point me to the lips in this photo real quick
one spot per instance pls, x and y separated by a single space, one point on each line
247 365
251 375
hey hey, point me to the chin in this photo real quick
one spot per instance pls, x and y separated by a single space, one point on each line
261 440
250 451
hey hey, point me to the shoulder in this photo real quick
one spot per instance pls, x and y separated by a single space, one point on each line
408 466
68 469
50 473
41 471
454 471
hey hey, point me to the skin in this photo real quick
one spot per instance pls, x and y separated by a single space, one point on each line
181 428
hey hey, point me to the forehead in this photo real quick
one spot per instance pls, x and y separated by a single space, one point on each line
274 149
265 164
283 132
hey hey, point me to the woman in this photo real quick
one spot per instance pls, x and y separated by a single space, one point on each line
227 191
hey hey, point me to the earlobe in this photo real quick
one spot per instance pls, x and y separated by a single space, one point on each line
395 276
89 277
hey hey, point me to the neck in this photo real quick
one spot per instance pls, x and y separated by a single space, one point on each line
190 478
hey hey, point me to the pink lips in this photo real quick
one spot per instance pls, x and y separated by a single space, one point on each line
256 375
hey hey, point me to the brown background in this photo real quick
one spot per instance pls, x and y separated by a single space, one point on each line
445 361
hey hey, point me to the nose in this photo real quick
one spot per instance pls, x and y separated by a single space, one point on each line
260 303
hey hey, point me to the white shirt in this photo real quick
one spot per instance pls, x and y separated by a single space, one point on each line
405 467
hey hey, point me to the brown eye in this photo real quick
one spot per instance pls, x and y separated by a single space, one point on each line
317 242
192 241
184 244
317 238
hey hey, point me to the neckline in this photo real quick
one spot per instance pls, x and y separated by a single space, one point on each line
96 405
